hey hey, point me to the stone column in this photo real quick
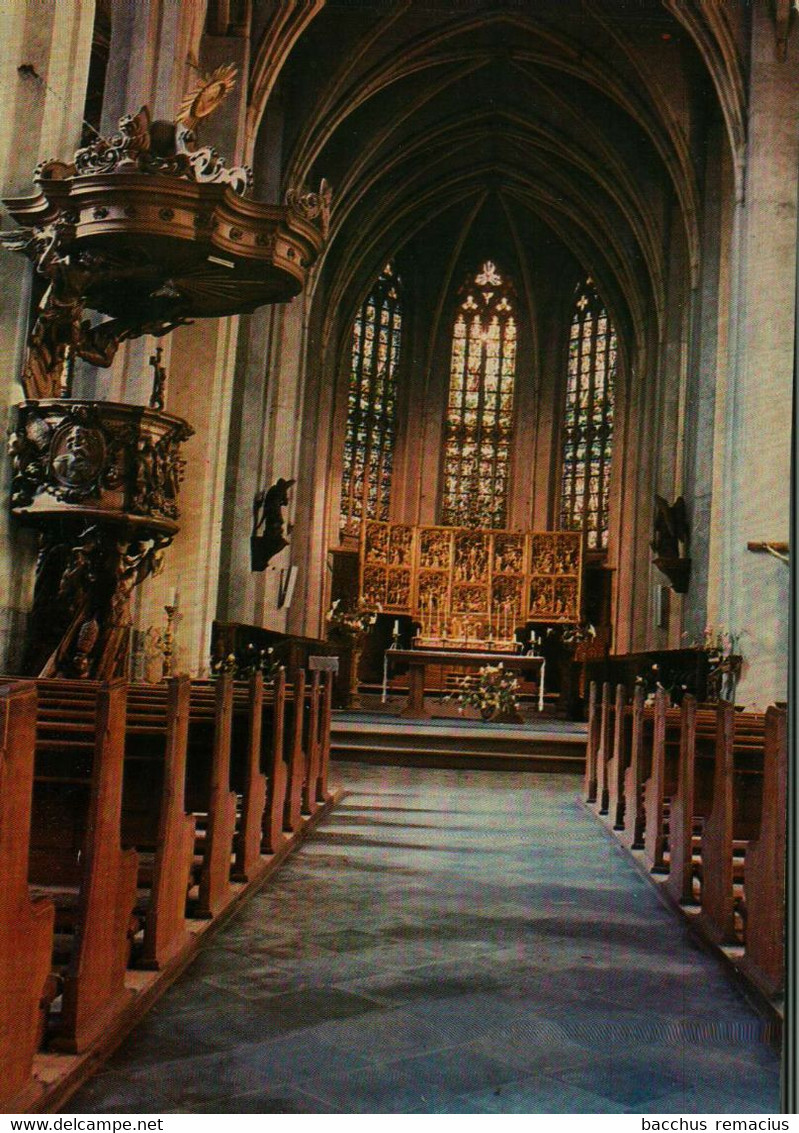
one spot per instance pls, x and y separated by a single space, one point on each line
41 118
755 497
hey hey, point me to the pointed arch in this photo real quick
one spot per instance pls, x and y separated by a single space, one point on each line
588 418
478 428
372 405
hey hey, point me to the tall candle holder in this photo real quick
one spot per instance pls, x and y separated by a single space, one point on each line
169 639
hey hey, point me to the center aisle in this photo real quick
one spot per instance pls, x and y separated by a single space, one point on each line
449 942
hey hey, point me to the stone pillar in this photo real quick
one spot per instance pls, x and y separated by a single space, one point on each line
755 500
41 118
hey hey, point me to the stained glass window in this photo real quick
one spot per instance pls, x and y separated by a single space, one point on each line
372 404
479 423
588 421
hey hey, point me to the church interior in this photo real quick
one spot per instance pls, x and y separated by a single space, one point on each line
395 557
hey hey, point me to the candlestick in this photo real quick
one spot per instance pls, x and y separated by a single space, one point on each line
166 667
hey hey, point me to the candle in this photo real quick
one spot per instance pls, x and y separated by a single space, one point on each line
396 627
173 596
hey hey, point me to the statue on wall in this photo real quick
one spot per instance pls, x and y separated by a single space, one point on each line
670 542
267 537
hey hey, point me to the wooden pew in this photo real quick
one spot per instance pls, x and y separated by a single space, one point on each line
214 873
313 743
248 840
764 869
734 810
637 771
26 927
276 772
617 764
76 851
604 748
590 785
276 747
297 757
661 782
683 811
323 794
157 731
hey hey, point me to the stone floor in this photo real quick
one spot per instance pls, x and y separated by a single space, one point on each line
449 942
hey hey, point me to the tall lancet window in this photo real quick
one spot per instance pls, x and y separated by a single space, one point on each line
372 405
479 426
588 419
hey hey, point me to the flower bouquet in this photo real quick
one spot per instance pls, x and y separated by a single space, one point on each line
494 693
349 627
247 663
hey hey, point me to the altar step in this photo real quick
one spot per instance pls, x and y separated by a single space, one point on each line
548 745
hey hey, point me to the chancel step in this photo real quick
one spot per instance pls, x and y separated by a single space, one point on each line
372 738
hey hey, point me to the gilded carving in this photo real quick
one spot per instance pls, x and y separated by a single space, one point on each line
435 547
401 544
398 591
508 554
471 556
377 543
463 583
373 586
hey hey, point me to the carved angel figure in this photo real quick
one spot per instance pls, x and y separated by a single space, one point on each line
267 537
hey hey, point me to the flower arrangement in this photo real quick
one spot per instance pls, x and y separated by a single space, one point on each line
717 642
576 634
350 625
494 692
244 665
673 682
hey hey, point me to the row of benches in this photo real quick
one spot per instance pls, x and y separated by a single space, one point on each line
124 810
701 792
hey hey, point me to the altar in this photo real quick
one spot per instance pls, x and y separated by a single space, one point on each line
419 660
470 594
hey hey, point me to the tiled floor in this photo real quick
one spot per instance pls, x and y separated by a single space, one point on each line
449 942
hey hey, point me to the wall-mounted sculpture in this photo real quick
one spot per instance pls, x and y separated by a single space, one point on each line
149 231
267 538
671 540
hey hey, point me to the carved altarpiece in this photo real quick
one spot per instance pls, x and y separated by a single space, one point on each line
477 585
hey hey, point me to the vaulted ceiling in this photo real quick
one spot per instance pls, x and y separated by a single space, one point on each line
579 124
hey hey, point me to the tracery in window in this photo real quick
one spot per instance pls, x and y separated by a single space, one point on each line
479 425
588 418
372 404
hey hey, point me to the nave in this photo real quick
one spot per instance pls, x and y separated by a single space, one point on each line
449 942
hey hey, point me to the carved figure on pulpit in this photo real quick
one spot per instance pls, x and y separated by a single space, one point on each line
267 538
77 455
